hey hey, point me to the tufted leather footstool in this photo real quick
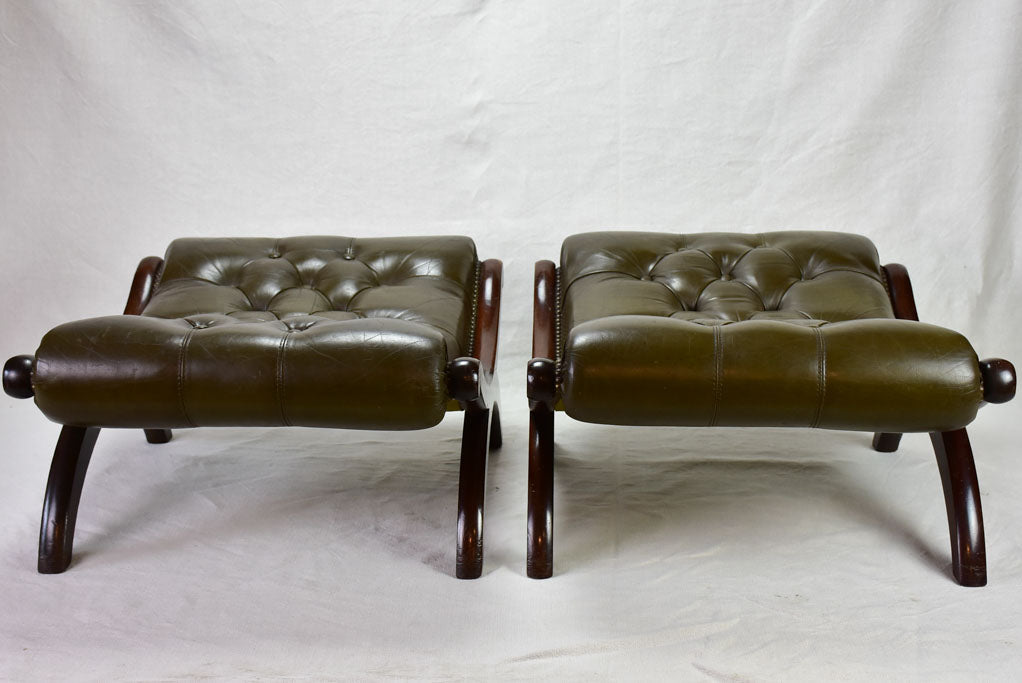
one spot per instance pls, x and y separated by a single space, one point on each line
794 329
384 333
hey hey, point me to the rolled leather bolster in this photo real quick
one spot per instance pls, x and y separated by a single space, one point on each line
870 375
136 371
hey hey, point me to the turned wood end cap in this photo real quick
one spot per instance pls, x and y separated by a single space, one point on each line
998 380
463 378
541 381
18 377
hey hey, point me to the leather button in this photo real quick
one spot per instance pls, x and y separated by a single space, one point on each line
299 325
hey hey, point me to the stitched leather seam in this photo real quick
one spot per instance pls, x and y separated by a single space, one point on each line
200 279
280 379
821 375
780 299
758 295
718 366
801 272
269 304
406 278
372 270
598 272
739 259
247 298
657 262
707 255
297 272
405 259
700 294
181 376
832 270
871 276
674 294
325 298
347 306
429 276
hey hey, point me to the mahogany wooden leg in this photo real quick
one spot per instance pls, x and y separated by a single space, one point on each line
964 511
471 492
496 435
886 442
63 491
158 435
540 551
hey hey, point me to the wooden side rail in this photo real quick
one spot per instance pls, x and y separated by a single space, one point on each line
541 378
144 284
899 288
473 382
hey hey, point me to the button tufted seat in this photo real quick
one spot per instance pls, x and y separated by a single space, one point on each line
778 329
309 331
782 329
382 333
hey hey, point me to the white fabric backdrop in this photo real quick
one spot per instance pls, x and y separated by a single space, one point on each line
719 554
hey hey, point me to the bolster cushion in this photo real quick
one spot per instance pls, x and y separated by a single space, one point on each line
872 375
331 370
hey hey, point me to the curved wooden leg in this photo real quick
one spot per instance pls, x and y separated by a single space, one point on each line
158 435
540 559
471 492
63 491
964 511
496 436
886 442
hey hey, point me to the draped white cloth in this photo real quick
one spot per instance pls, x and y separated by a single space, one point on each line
680 553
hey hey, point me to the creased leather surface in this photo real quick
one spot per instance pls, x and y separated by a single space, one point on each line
312 331
778 329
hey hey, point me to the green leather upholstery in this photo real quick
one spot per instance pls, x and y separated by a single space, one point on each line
776 329
311 331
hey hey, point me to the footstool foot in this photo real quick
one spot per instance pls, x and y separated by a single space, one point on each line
886 442
496 435
158 435
540 549
964 511
471 494
63 491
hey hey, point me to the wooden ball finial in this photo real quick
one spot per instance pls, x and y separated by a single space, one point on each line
998 380
18 377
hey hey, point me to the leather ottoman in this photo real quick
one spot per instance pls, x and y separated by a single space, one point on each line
384 333
793 329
